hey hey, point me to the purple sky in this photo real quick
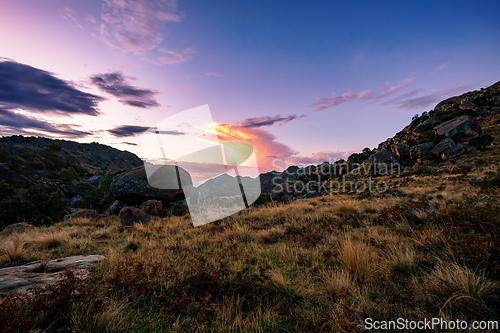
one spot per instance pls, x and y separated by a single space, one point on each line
301 81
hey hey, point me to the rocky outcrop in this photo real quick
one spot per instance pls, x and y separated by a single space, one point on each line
419 151
384 159
80 213
158 183
151 207
402 150
16 227
464 125
447 149
116 207
130 215
18 279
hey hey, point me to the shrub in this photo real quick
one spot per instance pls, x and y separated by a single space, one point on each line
481 141
68 174
35 163
53 147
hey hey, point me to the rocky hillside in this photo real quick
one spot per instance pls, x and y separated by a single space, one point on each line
459 126
41 178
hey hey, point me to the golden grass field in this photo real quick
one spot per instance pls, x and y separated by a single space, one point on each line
427 249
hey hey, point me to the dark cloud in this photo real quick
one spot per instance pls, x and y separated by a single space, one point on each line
266 121
17 123
133 130
116 85
28 88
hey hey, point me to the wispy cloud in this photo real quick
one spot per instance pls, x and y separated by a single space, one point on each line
171 57
15 123
68 15
28 88
133 130
267 121
115 84
136 25
322 103
408 101
443 66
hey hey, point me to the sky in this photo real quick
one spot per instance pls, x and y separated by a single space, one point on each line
302 82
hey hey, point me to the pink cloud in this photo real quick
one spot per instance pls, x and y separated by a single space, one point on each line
216 74
443 66
322 103
176 57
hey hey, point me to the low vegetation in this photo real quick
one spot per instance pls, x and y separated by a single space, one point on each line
425 249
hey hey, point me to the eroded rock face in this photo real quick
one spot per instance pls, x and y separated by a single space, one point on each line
465 125
18 279
131 215
447 149
133 187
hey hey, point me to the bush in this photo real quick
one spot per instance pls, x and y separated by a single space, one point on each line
480 142
5 190
53 147
68 174
35 163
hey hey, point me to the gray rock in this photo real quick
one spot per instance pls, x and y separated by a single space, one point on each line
18 279
116 207
73 202
82 213
419 151
384 159
447 149
131 215
16 227
402 150
133 186
463 124
151 207
94 181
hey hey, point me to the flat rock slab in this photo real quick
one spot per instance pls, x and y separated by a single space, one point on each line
18 279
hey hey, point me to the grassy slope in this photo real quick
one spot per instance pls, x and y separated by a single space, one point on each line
427 249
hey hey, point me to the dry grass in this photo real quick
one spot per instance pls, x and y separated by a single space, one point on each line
357 258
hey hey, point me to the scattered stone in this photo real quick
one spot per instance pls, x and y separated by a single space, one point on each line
73 202
151 207
18 279
133 186
465 125
131 215
81 213
16 227
447 149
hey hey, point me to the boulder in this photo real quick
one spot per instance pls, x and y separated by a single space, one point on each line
94 181
116 207
18 279
131 215
16 227
447 149
460 125
156 182
402 150
386 158
419 151
73 202
81 213
151 207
